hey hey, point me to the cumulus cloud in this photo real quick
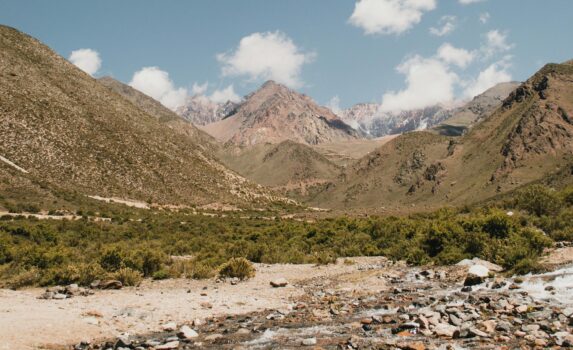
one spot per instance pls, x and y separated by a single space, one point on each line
467 2
494 74
87 60
156 83
224 95
484 17
199 89
454 55
334 105
429 81
496 42
389 16
264 56
447 24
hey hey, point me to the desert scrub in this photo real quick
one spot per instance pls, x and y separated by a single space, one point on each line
128 276
240 268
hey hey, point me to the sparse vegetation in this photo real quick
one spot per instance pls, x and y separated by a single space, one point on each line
47 252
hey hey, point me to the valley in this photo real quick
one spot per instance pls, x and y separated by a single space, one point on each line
241 212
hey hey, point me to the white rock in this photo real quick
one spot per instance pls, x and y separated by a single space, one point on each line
479 270
186 332
168 346
445 330
309 341
169 327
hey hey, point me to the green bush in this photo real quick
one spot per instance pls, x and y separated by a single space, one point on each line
538 200
128 276
239 268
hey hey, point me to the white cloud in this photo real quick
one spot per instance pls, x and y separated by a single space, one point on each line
156 83
389 16
453 55
199 89
467 2
429 82
87 60
447 25
334 105
494 74
225 95
484 17
269 55
496 42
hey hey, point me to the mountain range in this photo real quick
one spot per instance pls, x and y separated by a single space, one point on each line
66 136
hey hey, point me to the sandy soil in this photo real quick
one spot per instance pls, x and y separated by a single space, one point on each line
30 323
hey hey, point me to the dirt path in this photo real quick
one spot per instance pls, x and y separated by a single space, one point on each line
30 323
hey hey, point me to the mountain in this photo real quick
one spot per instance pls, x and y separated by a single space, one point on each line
200 110
289 167
472 112
528 139
64 134
274 113
155 109
372 121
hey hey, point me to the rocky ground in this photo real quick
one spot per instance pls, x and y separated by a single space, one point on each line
362 303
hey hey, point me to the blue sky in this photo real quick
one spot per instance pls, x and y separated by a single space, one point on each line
323 52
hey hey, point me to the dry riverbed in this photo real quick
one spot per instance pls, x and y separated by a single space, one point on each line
359 303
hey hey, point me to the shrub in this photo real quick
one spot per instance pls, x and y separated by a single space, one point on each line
202 271
112 260
324 257
161 275
128 276
24 278
538 200
237 268
526 266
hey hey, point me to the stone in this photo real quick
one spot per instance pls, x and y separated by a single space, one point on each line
445 330
59 296
477 274
213 337
489 326
110 284
480 262
122 341
168 346
521 309
412 346
169 327
185 332
503 327
279 282
309 341
477 333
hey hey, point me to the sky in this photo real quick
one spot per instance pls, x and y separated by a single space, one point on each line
405 54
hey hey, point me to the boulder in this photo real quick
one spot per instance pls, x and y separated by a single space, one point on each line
446 330
478 261
185 332
168 346
309 341
477 274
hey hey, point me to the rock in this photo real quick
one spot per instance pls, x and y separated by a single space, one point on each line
477 333
279 282
445 330
47 295
206 305
521 309
412 346
168 346
110 284
503 327
185 332
198 322
477 274
213 337
478 261
169 327
489 326
122 341
455 320
59 296
563 339
309 341
91 320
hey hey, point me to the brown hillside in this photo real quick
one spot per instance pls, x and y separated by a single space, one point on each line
70 132
528 139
